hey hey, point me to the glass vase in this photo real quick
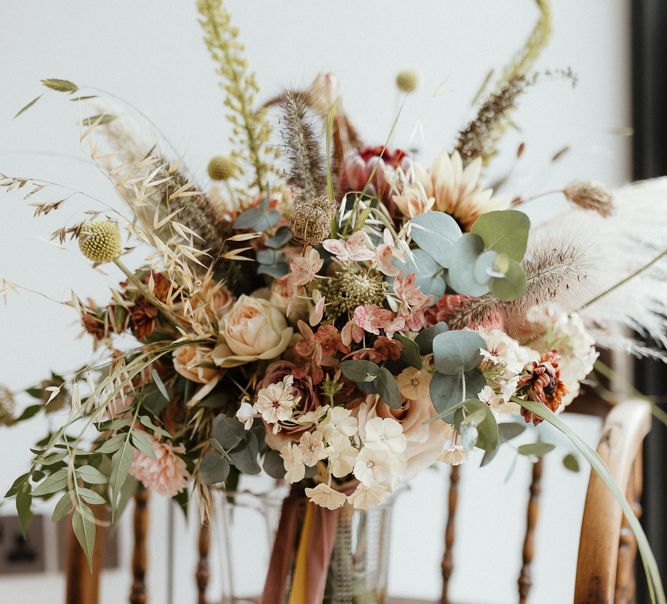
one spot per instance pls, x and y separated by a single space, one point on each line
276 547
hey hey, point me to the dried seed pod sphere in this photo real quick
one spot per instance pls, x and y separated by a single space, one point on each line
99 241
311 219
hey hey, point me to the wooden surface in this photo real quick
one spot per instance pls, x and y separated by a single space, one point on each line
602 527
139 554
202 574
82 582
532 513
447 565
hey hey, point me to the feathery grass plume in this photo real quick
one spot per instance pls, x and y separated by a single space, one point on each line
590 196
481 136
306 170
250 128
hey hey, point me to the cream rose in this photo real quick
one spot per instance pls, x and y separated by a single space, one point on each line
194 363
426 441
253 329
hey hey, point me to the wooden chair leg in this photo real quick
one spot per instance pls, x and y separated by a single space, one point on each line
202 574
83 584
139 557
532 513
447 565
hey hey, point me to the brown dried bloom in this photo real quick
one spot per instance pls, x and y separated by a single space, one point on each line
541 383
94 325
590 196
311 219
7 405
143 318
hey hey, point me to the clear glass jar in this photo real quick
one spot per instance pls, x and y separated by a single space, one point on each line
248 526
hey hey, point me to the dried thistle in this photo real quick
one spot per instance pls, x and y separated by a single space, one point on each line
311 219
306 173
99 241
250 128
590 196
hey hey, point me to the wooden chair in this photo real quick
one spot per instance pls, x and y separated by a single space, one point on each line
607 549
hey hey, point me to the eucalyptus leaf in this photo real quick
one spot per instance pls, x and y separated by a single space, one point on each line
244 457
457 351
410 353
269 257
429 276
504 231
273 465
387 388
463 257
228 431
276 271
537 449
214 469
281 237
483 270
425 337
477 413
448 391
510 430
360 371
571 462
512 285
435 233
259 219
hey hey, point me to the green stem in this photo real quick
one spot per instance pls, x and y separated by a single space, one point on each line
162 308
622 282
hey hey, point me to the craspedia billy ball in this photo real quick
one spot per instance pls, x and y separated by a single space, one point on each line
221 167
408 80
99 241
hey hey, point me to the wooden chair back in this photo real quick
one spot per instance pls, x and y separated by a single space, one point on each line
607 549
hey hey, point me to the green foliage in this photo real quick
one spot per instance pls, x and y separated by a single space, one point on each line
449 391
425 337
571 462
537 449
478 423
457 351
250 128
373 379
214 469
435 233
462 260
60 85
83 524
504 232
429 275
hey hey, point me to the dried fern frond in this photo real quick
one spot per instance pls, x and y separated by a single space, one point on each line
250 129
306 167
481 136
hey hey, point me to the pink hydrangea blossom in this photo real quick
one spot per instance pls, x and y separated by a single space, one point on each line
305 267
355 248
166 474
385 254
372 318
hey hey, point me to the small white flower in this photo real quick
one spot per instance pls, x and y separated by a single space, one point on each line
365 497
245 415
373 466
339 421
323 495
276 402
312 417
293 462
311 446
385 433
342 456
414 383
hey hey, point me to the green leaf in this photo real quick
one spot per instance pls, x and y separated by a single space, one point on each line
214 469
537 449
55 482
98 120
463 258
29 412
387 388
84 529
478 414
126 493
160 384
257 219
435 233
457 351
120 468
228 431
53 459
112 444
217 400
64 507
90 496
484 267
91 475
510 430
571 462
512 285
429 276
23 509
273 465
648 559
449 391
113 424
17 484
141 442
410 353
27 106
360 371
425 337
245 455
282 236
60 85
148 422
504 231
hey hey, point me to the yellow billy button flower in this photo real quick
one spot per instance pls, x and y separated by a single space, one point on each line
99 241
407 80
221 167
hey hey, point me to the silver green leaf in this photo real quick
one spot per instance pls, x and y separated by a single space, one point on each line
435 233
457 351
504 231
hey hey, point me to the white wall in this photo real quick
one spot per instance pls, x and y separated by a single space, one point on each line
150 52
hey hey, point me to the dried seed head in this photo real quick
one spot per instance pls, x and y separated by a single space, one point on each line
221 167
99 241
7 405
408 80
311 219
590 196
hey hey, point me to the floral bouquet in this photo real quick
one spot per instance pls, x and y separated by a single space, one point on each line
332 314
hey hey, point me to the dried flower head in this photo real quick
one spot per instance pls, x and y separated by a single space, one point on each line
407 80
99 241
143 318
590 196
541 382
7 404
311 219
347 290
221 167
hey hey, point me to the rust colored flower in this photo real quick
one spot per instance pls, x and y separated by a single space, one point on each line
384 349
329 338
143 318
541 383
162 286
94 325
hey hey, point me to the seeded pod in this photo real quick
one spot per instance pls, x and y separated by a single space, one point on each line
407 80
221 167
99 241
311 219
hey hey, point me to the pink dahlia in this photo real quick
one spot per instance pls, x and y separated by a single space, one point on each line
166 474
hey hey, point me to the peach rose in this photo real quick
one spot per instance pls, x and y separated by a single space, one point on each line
426 441
194 363
254 329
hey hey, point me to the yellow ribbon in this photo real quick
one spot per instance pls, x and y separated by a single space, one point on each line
300 577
